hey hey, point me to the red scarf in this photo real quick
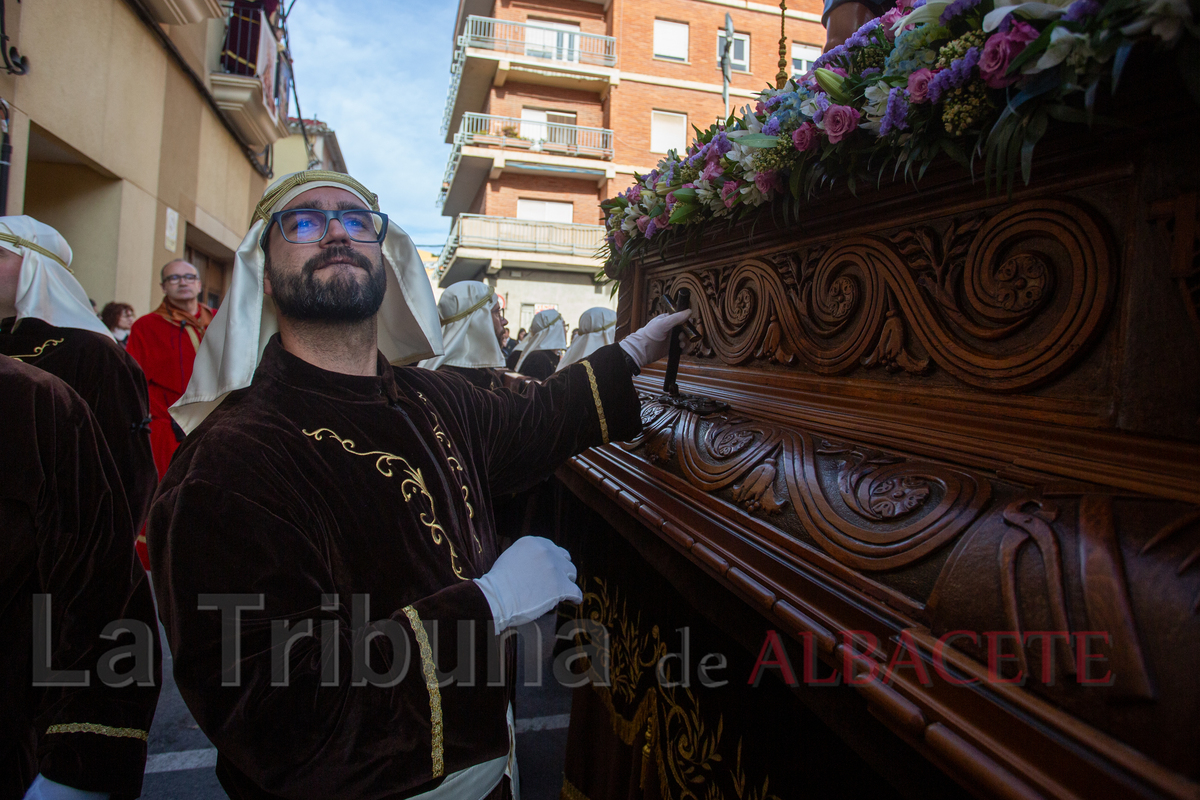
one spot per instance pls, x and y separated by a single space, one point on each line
194 325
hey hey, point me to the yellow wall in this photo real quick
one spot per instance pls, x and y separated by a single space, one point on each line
143 139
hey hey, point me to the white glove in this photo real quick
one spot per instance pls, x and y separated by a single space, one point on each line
528 579
45 789
652 341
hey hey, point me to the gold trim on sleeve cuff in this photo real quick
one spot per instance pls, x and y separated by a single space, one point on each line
431 684
596 396
102 730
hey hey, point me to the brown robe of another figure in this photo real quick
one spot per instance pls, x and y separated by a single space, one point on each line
488 379
110 382
66 532
540 364
310 490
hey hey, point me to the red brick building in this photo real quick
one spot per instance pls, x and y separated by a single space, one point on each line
554 105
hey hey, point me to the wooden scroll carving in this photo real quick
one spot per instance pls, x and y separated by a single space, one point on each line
882 510
1004 300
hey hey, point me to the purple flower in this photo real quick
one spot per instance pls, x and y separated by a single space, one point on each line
959 73
832 55
957 8
861 37
651 227
720 145
772 127
869 71
895 118
1081 10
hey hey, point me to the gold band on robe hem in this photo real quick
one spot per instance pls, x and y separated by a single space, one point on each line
569 792
431 684
596 396
102 730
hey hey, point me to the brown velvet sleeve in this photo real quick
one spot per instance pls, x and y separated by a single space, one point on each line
528 434
322 735
92 737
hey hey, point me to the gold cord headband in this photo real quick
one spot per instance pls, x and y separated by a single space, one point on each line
606 327
464 314
557 318
35 247
263 209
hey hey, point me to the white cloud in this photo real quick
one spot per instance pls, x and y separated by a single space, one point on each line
377 72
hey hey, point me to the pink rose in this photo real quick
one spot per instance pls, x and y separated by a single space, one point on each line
642 222
840 121
804 137
670 200
619 239
767 180
918 85
888 23
712 169
1000 50
729 192
663 220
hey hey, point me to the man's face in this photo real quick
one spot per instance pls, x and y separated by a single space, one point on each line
181 282
332 280
10 274
498 322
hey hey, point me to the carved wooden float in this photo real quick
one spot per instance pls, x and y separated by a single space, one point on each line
948 411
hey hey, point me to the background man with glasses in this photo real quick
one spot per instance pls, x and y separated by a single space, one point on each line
165 342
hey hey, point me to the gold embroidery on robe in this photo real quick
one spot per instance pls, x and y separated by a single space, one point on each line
431 684
102 730
37 351
455 464
413 482
596 396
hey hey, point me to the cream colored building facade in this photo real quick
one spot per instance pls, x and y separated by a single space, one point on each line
321 150
130 137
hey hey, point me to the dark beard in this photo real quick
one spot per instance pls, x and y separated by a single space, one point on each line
300 296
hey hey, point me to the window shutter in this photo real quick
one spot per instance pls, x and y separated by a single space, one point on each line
671 39
668 131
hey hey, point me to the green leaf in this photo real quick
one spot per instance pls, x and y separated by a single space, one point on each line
1119 63
759 140
1033 133
656 210
685 193
833 84
952 149
683 212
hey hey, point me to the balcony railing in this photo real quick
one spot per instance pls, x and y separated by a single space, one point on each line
548 137
252 80
536 41
526 236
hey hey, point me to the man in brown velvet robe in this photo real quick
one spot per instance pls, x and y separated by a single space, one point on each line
67 573
57 333
332 490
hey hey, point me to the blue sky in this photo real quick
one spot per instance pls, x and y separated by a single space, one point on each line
377 72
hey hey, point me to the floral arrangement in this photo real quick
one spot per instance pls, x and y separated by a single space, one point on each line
973 79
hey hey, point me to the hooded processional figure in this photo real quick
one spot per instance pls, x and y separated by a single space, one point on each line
48 322
343 502
597 328
472 322
547 337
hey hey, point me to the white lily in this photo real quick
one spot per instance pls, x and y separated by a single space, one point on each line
1042 10
1063 45
930 12
1163 18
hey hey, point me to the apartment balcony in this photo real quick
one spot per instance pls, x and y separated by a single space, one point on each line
183 12
491 52
488 146
248 85
480 244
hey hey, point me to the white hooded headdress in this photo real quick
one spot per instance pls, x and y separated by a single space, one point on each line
546 332
46 289
597 327
468 335
234 342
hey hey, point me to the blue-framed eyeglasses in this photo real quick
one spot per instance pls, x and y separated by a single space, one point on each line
309 225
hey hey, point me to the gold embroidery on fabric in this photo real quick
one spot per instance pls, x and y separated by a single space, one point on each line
413 483
569 792
263 209
455 464
431 683
596 396
102 730
37 351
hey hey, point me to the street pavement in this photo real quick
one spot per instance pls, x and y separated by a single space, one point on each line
181 760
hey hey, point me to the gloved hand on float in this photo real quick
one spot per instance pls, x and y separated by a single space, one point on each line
653 340
528 579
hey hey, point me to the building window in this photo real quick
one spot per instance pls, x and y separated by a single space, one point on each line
668 131
545 210
739 54
555 40
539 124
803 58
670 40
